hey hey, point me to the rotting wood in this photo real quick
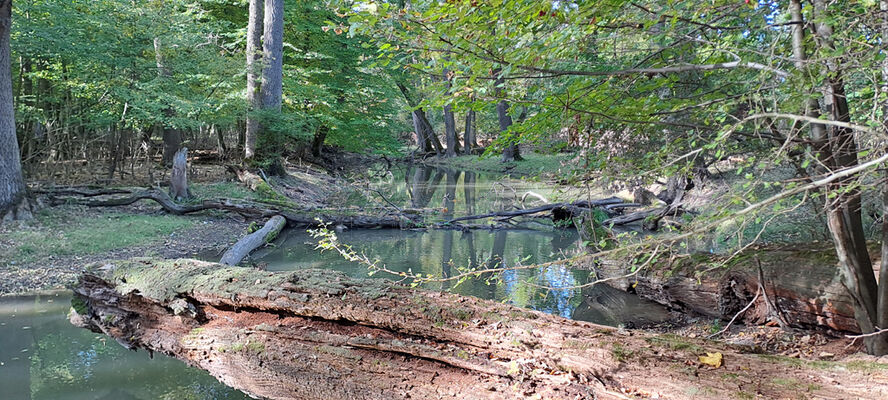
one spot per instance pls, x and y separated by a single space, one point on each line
317 334
803 286
253 241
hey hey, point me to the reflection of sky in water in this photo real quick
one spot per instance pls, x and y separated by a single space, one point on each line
559 277
552 301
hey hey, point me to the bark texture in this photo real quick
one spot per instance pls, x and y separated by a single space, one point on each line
254 64
450 136
510 151
179 176
317 334
253 241
470 141
172 137
808 295
13 201
273 55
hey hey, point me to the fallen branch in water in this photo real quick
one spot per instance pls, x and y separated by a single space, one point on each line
611 202
247 244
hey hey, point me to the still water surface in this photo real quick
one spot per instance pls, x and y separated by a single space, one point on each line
42 356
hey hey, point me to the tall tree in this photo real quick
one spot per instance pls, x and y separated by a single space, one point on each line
273 55
254 61
510 151
13 204
172 137
450 136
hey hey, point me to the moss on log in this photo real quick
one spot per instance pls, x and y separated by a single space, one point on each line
317 334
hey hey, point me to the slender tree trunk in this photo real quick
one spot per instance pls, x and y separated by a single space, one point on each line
469 138
317 141
510 151
425 133
450 123
882 303
254 61
272 55
843 209
172 138
13 202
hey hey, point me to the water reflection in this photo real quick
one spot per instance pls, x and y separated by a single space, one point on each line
459 193
444 253
42 356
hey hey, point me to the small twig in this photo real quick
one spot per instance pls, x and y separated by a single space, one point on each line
386 200
864 335
737 315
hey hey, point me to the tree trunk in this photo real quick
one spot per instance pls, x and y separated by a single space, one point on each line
254 61
179 176
425 133
844 209
317 334
882 303
510 151
317 142
253 241
450 123
273 55
470 141
172 137
13 199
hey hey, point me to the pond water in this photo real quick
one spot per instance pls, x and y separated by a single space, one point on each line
42 356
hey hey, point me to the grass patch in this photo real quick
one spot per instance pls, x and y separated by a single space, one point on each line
857 365
55 232
674 342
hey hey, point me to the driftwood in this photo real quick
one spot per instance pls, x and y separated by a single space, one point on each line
317 334
247 244
804 285
559 210
654 215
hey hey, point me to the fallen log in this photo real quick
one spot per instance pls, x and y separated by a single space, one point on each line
556 208
802 286
317 334
247 244
250 210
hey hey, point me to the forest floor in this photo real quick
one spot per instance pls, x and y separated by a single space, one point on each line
50 250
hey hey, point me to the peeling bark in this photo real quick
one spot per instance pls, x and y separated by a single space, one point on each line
317 334
808 295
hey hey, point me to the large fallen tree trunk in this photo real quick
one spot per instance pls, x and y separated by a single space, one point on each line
317 334
802 287
253 241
